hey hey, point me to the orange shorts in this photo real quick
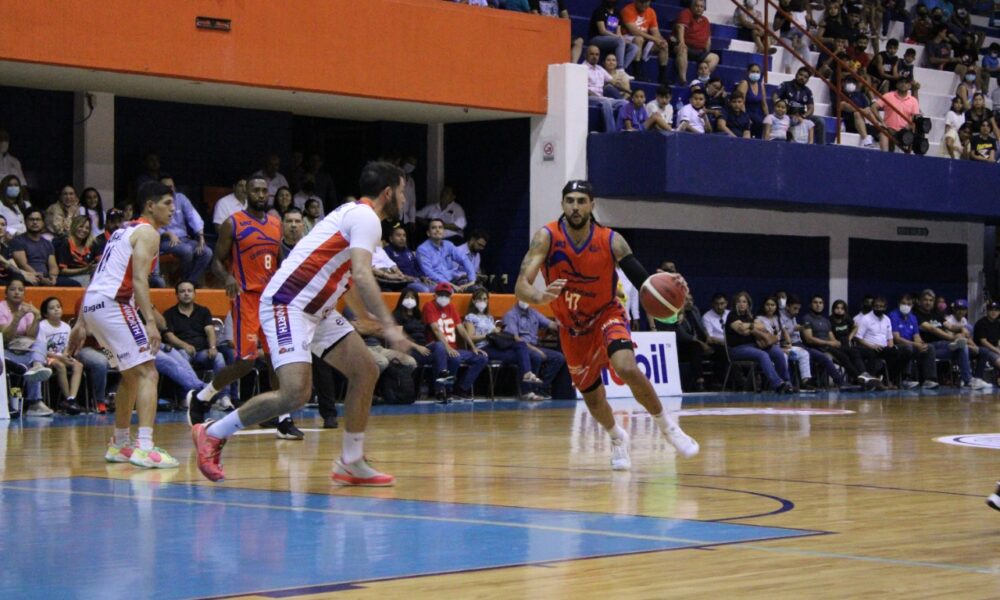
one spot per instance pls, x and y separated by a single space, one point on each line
587 353
246 326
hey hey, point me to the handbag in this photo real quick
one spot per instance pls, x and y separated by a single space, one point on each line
501 340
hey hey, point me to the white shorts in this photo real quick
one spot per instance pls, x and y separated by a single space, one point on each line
118 328
293 335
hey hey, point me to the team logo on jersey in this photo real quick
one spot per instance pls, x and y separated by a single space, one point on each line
93 308
561 257
282 328
135 328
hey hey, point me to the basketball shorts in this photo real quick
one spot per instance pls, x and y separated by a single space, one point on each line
247 333
293 335
587 353
118 328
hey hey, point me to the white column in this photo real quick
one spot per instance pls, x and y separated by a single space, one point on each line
94 143
839 252
558 142
435 161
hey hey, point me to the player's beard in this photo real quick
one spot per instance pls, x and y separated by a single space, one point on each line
583 224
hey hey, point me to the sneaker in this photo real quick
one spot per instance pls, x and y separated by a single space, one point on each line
155 458
686 445
460 394
37 373
978 384
530 377
994 499
930 384
909 384
102 408
360 473
620 459
441 397
531 397
225 403
288 431
444 378
197 410
70 407
330 422
209 452
807 385
868 142
957 344
119 453
38 409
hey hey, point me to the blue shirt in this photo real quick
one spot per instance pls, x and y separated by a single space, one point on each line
906 327
859 98
991 62
638 116
795 96
405 259
737 123
185 219
438 262
525 323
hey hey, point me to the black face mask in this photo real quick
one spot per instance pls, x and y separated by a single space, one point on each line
879 313
866 307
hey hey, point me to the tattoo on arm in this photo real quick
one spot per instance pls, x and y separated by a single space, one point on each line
620 247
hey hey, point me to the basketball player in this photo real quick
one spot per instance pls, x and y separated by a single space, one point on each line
579 257
120 285
299 318
250 242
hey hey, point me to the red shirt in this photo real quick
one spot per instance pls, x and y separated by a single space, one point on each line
447 320
696 31
630 14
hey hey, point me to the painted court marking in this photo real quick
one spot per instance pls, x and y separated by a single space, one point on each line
972 440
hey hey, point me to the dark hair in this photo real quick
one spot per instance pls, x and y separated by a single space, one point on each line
760 311
735 96
910 52
714 79
376 176
664 90
45 305
806 69
151 191
291 211
12 277
717 296
907 297
182 282
892 42
752 65
291 199
820 296
696 92
441 221
312 201
791 299
402 296
880 299
472 305
99 211
837 303
479 234
32 210
255 175
19 201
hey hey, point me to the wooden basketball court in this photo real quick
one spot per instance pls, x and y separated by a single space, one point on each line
791 497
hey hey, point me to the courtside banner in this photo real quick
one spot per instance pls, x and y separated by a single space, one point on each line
656 355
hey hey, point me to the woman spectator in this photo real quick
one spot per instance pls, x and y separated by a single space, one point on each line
983 144
841 325
75 253
7 265
748 341
19 325
93 207
312 215
769 319
489 337
776 124
966 89
283 200
53 335
55 227
979 113
755 93
606 33
13 203
409 316
951 147
843 328
619 86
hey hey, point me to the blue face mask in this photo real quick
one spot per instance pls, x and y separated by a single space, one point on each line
754 77
13 191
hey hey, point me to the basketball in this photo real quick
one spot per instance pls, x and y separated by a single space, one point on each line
662 295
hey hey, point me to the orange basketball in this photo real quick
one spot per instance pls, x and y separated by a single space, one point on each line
662 295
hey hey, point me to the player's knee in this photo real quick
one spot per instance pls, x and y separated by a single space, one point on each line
629 372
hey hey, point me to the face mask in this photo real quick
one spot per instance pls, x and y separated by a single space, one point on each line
409 303
408 168
522 305
13 191
443 300
866 307
480 306
754 77
904 309
879 313
782 302
4 146
703 78
750 3
970 77
850 88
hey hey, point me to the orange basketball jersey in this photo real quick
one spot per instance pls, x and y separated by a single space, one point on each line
256 249
589 271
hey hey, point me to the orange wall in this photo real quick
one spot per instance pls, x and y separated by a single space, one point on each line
417 50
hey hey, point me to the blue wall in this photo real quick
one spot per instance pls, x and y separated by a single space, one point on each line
40 124
894 268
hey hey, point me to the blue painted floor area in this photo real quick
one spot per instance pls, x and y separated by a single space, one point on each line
87 538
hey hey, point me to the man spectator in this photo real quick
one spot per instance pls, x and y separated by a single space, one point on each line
799 97
789 308
693 117
524 322
438 259
557 8
274 179
987 335
445 325
749 26
900 107
606 33
9 165
231 203
692 343
292 228
597 78
176 240
35 256
694 39
824 348
191 331
449 212
406 260
735 122
946 345
113 221
387 273
855 120
875 340
151 169
640 22
473 249
906 337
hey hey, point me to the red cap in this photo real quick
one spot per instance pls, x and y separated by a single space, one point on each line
445 287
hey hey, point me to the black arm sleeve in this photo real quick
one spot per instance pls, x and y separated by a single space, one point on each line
634 270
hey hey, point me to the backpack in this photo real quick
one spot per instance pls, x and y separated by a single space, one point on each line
397 385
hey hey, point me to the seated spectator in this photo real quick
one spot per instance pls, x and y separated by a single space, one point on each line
755 98
884 67
371 332
990 66
8 266
231 203
409 316
987 336
65 207
777 124
828 63
524 322
13 203
190 330
800 101
174 364
312 215
35 256
950 145
126 209
956 321
406 260
619 85
639 21
855 120
598 79
819 336
979 113
693 117
791 341
857 52
692 343
177 240
716 99
282 202
965 140
55 227
984 145
53 335
875 341
911 348
607 34
438 259
473 249
714 322
947 345
800 129
449 212
750 26
274 179
793 31
19 321
834 25
703 72
113 221
488 335
747 341
75 252
444 325
694 39
633 116
9 165
557 8
661 106
92 206
939 55
735 122
923 29
387 273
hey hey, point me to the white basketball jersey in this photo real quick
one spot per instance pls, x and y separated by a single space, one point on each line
113 277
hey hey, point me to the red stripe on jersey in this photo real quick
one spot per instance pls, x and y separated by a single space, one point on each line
331 285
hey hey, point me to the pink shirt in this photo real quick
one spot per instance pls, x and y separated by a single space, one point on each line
6 317
909 106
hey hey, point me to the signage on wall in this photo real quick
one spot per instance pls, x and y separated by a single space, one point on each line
548 150
656 355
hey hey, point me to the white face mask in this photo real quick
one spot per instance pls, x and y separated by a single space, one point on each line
408 168
904 309
4 146
480 306
409 303
523 305
782 302
13 191
850 88
443 300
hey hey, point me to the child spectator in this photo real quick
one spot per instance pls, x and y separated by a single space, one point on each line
54 334
801 129
692 116
661 106
984 147
776 125
950 145
735 121
633 116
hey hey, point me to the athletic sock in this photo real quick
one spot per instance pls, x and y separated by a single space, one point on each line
663 423
285 417
354 447
225 428
145 438
206 393
121 436
617 433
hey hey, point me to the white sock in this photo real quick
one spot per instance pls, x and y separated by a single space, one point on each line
207 392
284 417
145 438
354 447
122 436
228 426
663 422
617 433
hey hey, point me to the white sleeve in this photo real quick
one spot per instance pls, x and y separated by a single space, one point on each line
362 228
460 221
218 213
862 328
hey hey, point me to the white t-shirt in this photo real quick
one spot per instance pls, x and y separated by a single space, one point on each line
453 214
800 132
226 207
667 111
690 114
779 127
715 325
874 330
381 260
53 337
953 120
9 165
